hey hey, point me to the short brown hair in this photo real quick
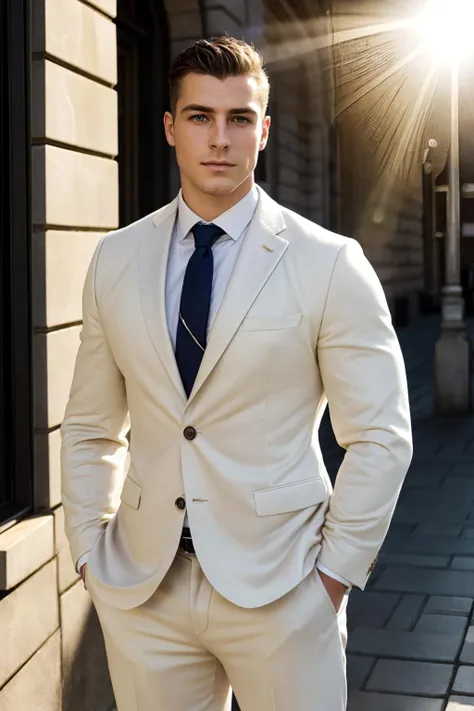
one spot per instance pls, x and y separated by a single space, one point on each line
220 57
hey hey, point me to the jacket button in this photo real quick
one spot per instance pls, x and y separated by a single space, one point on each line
180 503
190 433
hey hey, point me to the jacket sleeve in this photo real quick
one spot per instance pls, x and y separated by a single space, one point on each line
364 378
93 433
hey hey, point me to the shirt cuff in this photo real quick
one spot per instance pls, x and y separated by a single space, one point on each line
83 559
323 569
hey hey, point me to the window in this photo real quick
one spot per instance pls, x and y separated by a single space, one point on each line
16 451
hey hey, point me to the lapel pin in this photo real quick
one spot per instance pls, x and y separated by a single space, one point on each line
265 246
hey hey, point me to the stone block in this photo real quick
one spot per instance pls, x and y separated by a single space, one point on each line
74 189
47 472
358 670
420 561
370 609
460 703
408 645
407 613
364 701
67 574
401 677
462 563
65 109
25 548
77 35
429 582
437 605
57 291
86 682
428 529
37 686
467 654
464 681
54 360
28 617
441 624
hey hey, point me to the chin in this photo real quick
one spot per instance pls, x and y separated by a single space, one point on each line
218 187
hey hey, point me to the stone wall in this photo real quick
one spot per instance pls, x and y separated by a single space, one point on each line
52 657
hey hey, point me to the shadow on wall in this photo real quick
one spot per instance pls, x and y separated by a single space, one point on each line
86 681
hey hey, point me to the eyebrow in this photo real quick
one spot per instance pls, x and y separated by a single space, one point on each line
209 110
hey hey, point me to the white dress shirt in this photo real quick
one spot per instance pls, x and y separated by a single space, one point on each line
235 223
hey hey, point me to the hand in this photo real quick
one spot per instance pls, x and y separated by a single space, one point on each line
334 589
83 574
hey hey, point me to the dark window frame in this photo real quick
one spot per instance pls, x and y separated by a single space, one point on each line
16 382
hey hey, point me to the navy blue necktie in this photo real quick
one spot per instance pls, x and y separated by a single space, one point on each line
191 338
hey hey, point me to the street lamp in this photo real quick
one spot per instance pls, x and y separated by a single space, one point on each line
446 27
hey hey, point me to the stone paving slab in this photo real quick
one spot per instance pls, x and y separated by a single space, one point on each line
358 670
467 653
407 612
405 677
437 605
464 681
442 624
460 703
407 645
363 701
427 581
371 609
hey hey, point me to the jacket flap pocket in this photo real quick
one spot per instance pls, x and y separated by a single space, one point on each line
290 497
131 493
271 323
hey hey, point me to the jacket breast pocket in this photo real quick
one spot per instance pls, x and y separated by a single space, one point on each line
290 497
131 493
271 323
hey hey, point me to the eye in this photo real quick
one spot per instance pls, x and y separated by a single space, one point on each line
198 118
241 119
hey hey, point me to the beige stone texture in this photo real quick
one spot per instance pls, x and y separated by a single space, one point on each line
69 108
86 679
47 472
28 617
60 263
74 189
67 574
77 35
37 686
54 359
24 548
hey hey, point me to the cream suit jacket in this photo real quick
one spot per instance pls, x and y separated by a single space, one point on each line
304 321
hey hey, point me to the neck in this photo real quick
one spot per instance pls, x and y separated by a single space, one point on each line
208 206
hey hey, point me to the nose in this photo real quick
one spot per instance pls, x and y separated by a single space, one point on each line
220 139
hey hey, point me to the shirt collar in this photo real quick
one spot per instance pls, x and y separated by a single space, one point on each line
234 221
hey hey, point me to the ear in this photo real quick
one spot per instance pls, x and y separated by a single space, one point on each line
168 123
265 132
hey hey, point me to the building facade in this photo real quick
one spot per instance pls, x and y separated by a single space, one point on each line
83 152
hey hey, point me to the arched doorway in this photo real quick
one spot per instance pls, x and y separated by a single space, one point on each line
143 54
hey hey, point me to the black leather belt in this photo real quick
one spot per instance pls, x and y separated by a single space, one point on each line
186 543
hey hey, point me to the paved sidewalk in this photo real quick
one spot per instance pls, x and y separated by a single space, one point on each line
411 639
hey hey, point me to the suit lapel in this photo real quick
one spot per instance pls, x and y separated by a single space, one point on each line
259 255
152 264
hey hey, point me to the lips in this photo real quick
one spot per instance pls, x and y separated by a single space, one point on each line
216 164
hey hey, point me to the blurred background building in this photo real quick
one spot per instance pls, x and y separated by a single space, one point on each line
83 91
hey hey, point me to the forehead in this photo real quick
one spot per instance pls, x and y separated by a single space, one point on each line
220 94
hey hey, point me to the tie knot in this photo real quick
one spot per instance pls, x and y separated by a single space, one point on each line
206 235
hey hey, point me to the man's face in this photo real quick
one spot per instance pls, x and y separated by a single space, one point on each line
218 131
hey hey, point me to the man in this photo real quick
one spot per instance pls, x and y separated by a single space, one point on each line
217 327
